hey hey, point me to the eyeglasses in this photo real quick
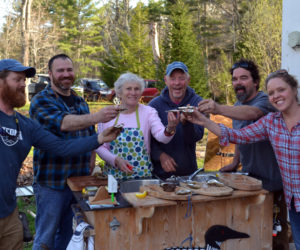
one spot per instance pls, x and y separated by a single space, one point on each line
240 65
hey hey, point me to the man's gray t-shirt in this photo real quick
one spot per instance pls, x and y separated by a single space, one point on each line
258 159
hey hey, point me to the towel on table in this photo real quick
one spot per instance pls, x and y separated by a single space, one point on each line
77 241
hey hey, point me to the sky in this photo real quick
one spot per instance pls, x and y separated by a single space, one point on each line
4 9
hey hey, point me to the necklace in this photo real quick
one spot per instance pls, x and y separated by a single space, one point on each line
11 137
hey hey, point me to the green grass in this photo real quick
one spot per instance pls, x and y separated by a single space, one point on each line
24 108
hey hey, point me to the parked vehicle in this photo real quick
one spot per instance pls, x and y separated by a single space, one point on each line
96 89
150 91
37 84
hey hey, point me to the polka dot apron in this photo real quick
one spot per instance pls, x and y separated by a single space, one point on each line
129 145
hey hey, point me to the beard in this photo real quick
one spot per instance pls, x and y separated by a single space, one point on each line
58 82
242 97
15 98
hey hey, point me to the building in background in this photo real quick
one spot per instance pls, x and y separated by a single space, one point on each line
290 43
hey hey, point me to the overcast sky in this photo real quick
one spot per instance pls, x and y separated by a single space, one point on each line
5 6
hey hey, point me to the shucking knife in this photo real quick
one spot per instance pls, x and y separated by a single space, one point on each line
112 187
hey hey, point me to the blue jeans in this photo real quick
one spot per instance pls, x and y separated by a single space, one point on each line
53 223
295 224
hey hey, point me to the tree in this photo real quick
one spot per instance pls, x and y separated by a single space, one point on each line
155 10
182 45
261 35
26 28
221 84
133 52
81 26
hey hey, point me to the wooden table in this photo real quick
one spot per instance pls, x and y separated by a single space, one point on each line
153 223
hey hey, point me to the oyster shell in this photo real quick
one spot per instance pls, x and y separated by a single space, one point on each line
194 184
121 125
215 183
168 187
182 191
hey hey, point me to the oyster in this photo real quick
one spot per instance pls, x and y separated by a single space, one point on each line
182 191
215 183
194 184
173 110
121 125
168 187
183 107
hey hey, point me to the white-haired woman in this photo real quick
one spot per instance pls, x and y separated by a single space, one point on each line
128 156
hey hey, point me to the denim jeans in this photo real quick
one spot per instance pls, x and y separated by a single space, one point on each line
53 223
295 224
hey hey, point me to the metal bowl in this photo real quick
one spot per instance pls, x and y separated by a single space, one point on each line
130 186
168 186
203 177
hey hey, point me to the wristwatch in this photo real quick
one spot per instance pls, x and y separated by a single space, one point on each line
169 132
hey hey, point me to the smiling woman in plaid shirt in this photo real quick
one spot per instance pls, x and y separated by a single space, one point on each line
282 129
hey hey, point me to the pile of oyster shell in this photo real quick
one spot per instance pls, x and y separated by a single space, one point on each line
197 185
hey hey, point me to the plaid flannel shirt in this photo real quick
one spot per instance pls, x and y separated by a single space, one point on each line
49 110
286 147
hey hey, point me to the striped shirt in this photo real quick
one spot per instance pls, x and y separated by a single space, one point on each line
286 146
49 110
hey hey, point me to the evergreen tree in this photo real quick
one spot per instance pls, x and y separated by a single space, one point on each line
260 38
81 26
183 46
133 52
221 84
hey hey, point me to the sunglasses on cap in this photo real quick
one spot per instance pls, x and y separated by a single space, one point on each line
280 72
240 65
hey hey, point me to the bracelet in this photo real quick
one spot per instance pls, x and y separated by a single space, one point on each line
169 132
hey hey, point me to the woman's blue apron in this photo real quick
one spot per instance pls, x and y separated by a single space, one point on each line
130 145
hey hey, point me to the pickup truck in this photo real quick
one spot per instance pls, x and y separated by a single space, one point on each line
37 84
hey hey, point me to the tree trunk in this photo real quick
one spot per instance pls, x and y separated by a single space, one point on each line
26 13
154 41
126 15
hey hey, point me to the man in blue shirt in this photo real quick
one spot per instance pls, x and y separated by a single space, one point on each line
17 135
62 112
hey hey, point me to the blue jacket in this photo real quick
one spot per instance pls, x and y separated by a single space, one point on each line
15 150
183 145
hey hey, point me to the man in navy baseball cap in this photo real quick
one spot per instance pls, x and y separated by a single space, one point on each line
176 65
177 157
16 66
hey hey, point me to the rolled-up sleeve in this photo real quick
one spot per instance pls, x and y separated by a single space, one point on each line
104 151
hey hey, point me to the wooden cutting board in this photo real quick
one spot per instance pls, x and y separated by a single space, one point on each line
158 192
210 190
241 182
148 201
77 183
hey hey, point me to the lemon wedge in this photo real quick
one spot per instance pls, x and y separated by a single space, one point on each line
141 195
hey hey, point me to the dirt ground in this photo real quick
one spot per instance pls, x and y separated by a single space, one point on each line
25 177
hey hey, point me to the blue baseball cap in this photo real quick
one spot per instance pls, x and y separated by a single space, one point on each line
16 66
176 65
